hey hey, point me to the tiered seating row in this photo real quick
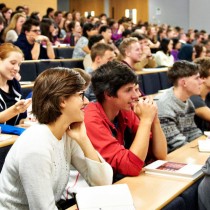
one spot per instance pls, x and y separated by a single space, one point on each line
29 70
63 52
151 83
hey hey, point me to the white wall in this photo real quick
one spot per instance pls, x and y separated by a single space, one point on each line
185 13
199 14
173 12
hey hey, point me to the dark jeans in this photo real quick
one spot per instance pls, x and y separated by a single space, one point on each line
64 204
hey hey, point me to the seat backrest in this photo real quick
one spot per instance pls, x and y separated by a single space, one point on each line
72 63
140 82
64 52
43 65
151 83
164 81
28 71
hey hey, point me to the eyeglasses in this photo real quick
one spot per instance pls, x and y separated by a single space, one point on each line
36 31
82 95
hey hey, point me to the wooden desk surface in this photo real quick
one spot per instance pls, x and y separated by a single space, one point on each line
27 84
9 141
151 192
189 153
74 207
152 71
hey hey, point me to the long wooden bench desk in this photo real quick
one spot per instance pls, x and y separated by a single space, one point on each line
152 192
9 141
155 192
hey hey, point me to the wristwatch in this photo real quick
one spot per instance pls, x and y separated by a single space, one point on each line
38 41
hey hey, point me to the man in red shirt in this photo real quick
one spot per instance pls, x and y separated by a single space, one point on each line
120 134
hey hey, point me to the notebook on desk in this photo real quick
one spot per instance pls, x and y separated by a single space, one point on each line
109 197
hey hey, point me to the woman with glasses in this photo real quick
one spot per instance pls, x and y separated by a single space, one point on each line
36 169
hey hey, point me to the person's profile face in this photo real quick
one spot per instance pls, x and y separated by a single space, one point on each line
134 52
192 84
126 97
108 56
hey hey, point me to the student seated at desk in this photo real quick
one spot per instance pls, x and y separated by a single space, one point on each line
30 41
163 56
123 137
101 53
202 101
12 107
37 166
175 109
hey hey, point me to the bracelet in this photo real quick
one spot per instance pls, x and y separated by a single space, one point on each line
38 41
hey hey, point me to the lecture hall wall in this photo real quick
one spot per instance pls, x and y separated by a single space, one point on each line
116 7
185 13
34 5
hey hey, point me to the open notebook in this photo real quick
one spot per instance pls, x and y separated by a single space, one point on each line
109 197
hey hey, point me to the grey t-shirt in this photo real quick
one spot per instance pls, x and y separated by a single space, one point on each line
198 102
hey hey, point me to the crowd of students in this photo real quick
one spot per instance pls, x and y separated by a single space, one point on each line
117 133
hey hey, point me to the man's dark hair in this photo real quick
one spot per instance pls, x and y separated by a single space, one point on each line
138 36
182 69
19 8
57 13
126 33
87 27
103 28
94 39
29 23
110 77
2 5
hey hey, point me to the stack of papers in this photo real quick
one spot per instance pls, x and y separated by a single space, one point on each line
204 145
109 197
4 137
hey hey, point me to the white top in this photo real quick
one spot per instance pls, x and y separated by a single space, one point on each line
11 36
37 167
164 60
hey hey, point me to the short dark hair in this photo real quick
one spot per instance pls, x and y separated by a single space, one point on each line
57 13
138 36
94 39
50 87
204 66
19 8
29 23
87 27
182 69
104 28
110 77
